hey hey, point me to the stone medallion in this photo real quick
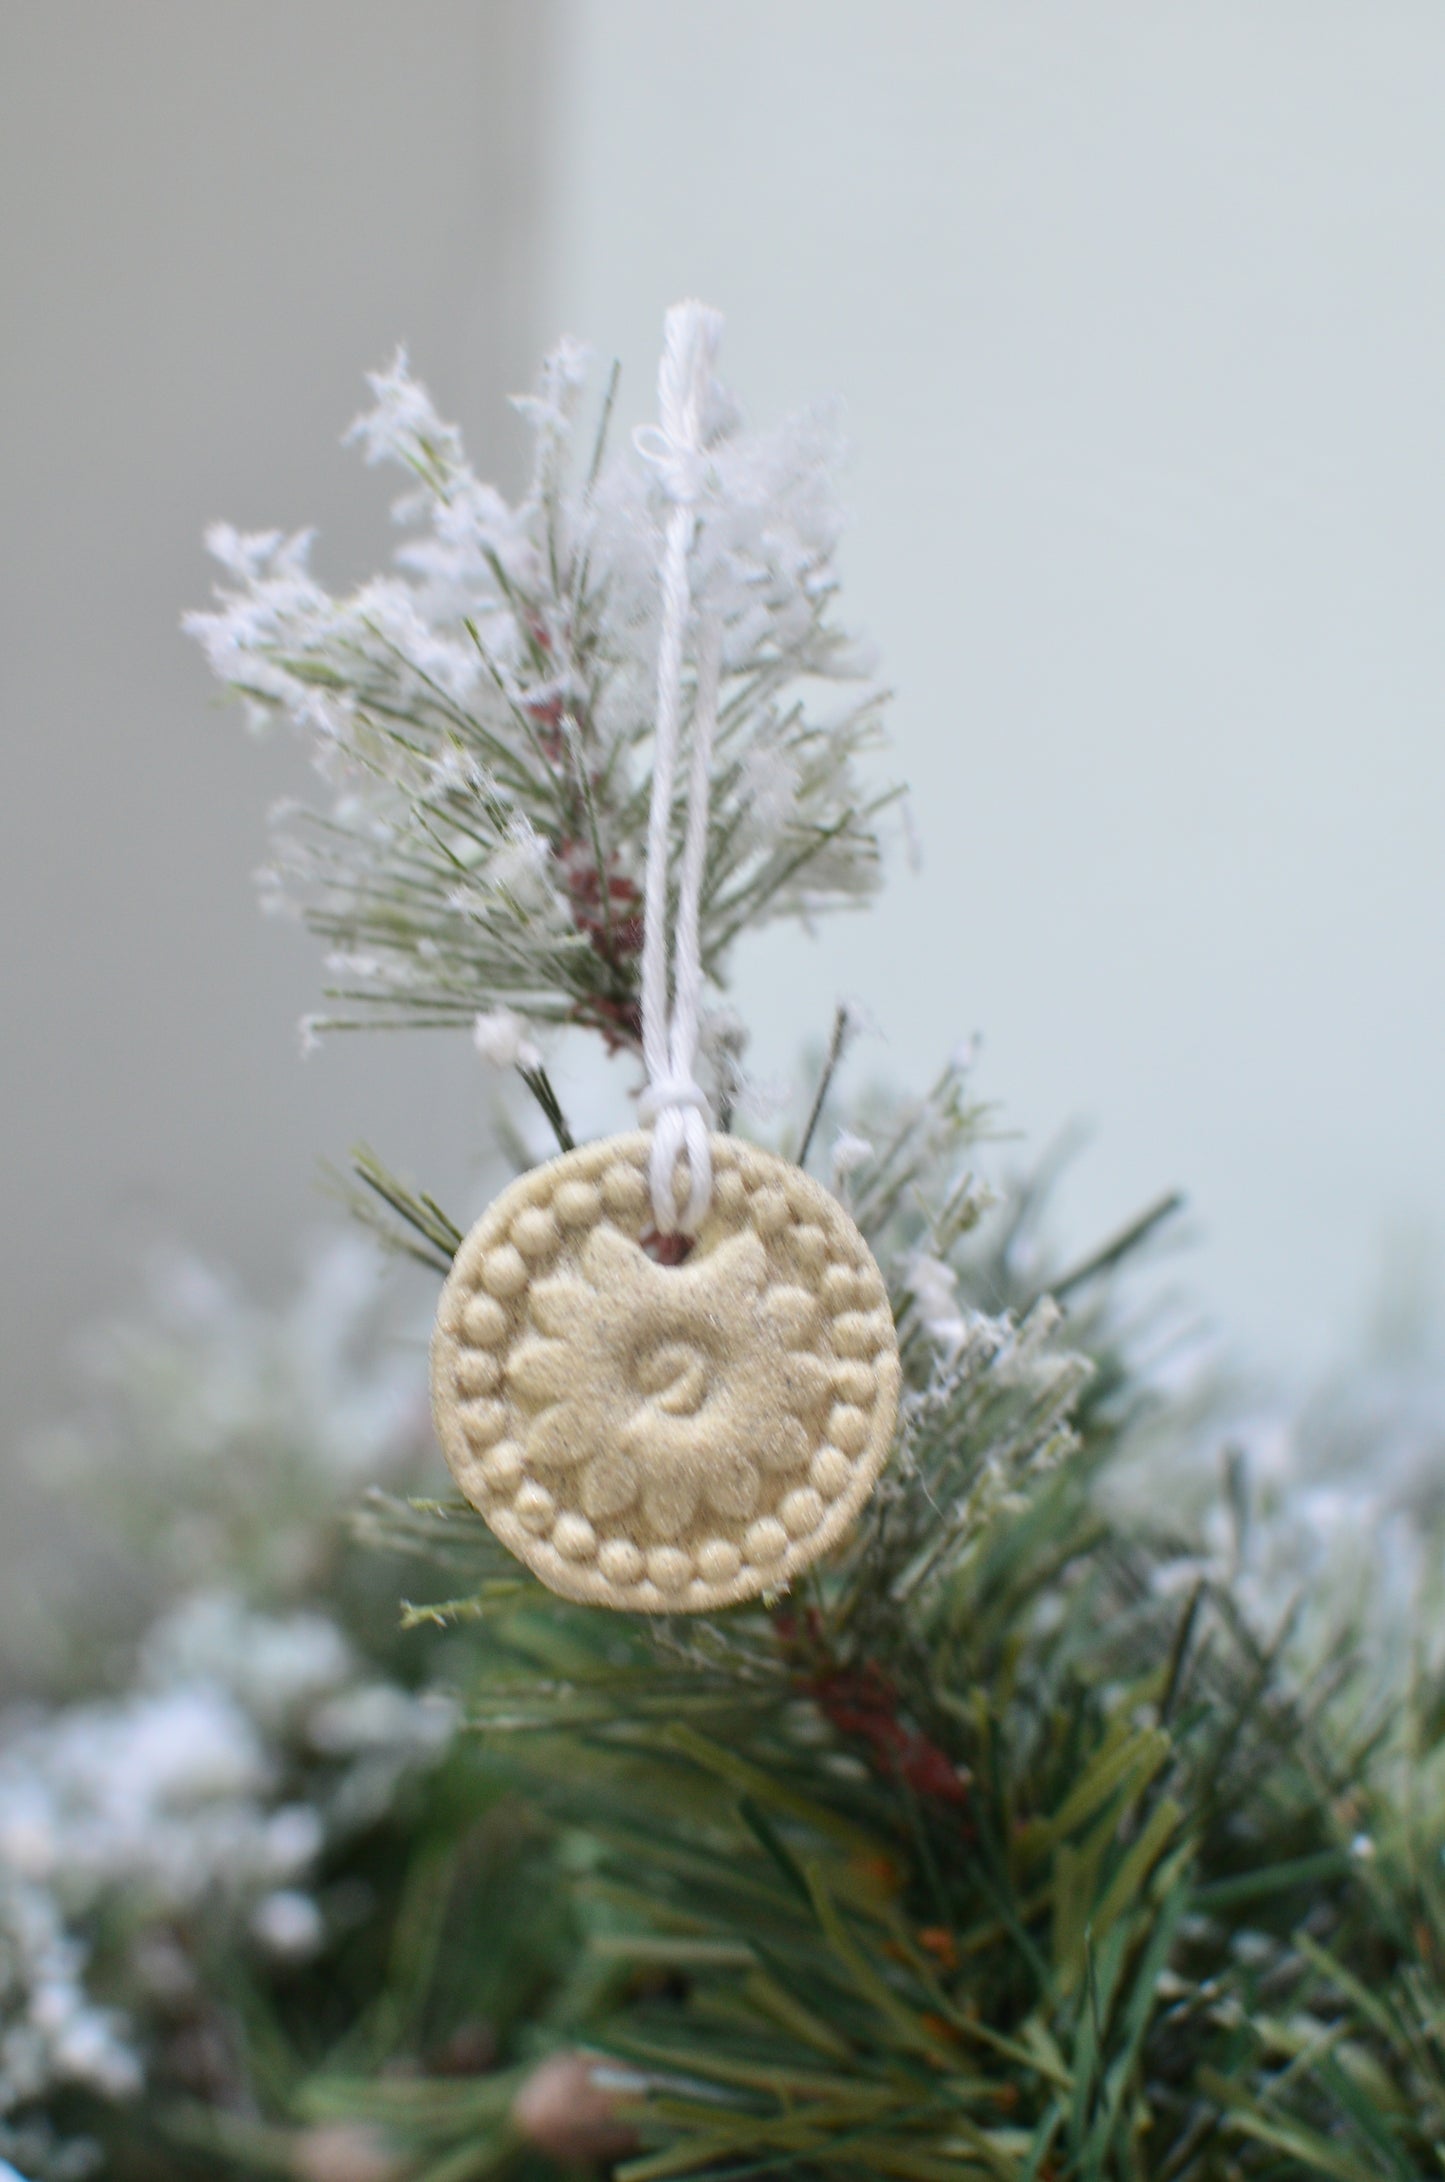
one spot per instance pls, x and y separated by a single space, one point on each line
663 1438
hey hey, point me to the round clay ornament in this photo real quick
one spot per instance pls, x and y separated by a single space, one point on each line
659 1437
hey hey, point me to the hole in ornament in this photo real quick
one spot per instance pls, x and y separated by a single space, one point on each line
666 1249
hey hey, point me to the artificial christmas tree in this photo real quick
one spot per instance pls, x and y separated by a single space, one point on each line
1012 1837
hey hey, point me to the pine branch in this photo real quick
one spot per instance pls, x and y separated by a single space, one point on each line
539 1083
419 1230
837 1040
1112 1253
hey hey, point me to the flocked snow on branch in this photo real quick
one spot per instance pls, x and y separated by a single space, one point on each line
482 715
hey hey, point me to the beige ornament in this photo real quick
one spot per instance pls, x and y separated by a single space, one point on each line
660 1438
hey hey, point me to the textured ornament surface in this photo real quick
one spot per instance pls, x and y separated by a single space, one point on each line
662 1438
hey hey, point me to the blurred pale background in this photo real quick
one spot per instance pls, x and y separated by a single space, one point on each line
1139 320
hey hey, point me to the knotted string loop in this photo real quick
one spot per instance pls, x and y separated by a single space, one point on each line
681 471
673 1104
672 1091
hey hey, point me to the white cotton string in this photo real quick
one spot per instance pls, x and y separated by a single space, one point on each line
674 1105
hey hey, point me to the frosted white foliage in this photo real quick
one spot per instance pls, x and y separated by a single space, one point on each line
1334 1518
481 714
500 1036
190 1787
51 2033
54 2037
288 1923
248 1744
223 1435
219 1368
199 1803
274 1667
934 1289
850 1152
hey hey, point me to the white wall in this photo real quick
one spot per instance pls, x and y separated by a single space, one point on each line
1138 312
215 218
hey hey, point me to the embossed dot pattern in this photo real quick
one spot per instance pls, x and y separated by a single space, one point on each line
665 1438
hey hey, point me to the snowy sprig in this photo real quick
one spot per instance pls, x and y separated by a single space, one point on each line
199 1802
254 1737
247 1742
482 714
1321 1518
53 2036
222 1441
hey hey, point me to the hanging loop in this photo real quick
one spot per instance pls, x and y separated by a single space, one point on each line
673 1105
